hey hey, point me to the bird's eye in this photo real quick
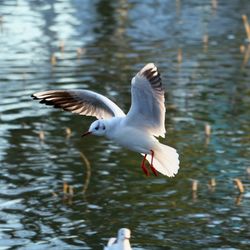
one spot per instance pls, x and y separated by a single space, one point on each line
103 127
96 128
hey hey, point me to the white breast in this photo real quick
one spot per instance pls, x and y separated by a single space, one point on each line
130 137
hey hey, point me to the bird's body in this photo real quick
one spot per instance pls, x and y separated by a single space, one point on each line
136 130
132 138
121 242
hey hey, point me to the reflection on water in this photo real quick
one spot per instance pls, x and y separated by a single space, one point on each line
100 45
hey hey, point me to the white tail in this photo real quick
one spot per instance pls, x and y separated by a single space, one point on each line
166 160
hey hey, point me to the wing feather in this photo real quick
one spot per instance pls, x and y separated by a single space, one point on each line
83 102
148 102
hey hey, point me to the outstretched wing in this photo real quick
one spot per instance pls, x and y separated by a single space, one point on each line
82 102
147 109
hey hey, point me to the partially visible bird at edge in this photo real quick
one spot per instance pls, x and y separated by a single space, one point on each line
137 130
121 242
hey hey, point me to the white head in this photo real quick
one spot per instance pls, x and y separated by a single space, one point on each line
123 234
98 127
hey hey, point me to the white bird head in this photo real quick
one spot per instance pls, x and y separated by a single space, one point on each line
98 127
123 234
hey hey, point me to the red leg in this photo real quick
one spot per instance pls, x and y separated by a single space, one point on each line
151 164
143 166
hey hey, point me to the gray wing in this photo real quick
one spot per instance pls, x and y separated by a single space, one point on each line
82 102
147 110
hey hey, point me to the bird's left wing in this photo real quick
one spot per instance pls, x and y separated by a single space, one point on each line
147 110
82 102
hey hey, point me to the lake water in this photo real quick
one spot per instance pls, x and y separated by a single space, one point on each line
100 45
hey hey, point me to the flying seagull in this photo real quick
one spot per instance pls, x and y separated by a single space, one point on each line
137 130
121 242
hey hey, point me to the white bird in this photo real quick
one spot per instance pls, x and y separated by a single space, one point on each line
121 242
137 130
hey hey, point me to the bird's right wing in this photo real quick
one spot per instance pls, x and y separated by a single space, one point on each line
110 244
111 241
147 110
82 102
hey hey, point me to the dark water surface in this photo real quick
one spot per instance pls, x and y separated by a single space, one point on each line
114 39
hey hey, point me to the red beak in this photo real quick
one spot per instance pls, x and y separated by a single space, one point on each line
86 133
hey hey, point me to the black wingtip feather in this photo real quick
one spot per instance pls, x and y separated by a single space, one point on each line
153 76
34 97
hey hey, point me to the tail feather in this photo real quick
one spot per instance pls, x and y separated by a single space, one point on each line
166 160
